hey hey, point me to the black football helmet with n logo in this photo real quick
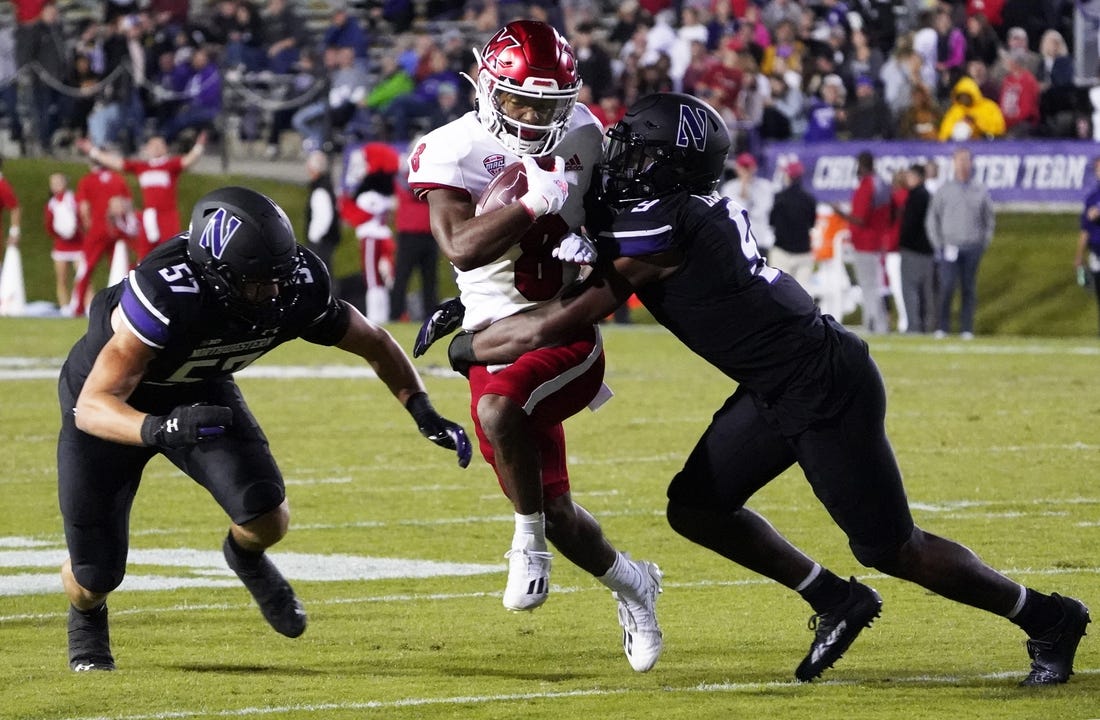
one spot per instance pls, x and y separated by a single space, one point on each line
245 249
666 143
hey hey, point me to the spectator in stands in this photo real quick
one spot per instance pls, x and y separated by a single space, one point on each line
1057 101
157 173
868 116
978 71
900 73
322 221
782 116
826 114
63 229
244 44
392 82
628 17
960 226
46 46
722 83
755 194
869 221
982 42
593 61
991 9
1087 257
344 31
284 35
118 115
314 122
786 53
972 116
9 85
918 269
1017 41
203 97
1019 101
94 194
85 84
922 119
171 12
865 60
416 251
780 12
423 101
792 218
950 49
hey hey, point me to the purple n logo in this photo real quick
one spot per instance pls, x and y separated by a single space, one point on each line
219 231
692 127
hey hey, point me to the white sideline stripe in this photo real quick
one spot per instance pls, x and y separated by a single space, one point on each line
437 597
702 688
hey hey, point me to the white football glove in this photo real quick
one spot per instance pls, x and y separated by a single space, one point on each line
546 189
576 249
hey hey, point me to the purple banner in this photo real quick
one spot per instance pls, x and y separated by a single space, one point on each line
1014 171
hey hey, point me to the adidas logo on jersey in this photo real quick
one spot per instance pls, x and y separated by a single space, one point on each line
574 163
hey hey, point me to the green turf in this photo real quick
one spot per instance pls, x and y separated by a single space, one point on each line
996 438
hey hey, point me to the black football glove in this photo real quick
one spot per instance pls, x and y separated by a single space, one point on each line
438 429
444 320
186 425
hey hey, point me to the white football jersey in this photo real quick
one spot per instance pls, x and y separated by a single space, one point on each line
464 156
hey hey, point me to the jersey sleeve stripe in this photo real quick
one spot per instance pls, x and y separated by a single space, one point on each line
141 316
642 242
139 334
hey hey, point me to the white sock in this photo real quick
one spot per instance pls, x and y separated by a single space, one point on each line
622 576
530 532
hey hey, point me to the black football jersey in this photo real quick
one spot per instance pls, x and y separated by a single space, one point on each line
753 322
167 305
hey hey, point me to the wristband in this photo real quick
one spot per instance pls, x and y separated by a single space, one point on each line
420 407
13 231
149 427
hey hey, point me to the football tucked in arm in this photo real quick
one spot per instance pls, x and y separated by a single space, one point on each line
505 189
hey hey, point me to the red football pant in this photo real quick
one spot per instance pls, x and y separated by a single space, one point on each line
550 384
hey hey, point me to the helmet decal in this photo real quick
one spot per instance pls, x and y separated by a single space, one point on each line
494 49
692 127
218 231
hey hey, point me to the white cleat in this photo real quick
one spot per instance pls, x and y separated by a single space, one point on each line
642 640
528 579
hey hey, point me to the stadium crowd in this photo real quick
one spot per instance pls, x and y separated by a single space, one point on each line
816 70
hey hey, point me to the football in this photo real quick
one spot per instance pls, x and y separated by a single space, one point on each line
506 188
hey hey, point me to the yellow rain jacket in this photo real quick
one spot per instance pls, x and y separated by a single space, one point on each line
983 115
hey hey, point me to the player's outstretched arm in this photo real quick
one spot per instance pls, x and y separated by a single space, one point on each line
375 345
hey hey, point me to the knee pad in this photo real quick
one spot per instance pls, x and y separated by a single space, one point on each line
100 580
261 498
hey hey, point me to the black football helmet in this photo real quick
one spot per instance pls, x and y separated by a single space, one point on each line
666 143
244 247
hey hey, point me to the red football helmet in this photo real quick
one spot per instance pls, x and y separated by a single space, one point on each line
527 64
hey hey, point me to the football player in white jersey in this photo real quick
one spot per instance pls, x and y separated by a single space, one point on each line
514 258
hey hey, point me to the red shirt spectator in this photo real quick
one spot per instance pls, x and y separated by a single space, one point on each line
27 11
990 8
1019 99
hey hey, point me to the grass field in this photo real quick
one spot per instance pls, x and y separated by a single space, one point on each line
397 553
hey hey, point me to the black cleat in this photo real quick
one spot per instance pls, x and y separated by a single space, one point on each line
836 629
89 640
280 607
1052 652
